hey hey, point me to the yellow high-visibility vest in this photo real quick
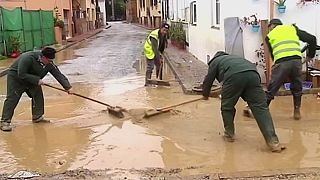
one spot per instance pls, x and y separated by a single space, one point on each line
284 42
148 52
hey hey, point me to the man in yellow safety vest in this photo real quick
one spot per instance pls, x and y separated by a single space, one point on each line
284 44
152 49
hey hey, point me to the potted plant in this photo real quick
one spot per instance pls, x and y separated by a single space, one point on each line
15 46
178 35
281 6
59 26
253 21
58 23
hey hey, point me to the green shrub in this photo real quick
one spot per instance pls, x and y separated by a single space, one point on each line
177 33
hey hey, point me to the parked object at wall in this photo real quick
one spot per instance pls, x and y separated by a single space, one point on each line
58 23
304 2
177 35
281 6
15 46
253 21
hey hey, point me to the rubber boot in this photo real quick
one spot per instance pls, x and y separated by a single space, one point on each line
297 104
296 113
5 126
148 76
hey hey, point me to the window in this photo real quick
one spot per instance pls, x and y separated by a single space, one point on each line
193 7
215 13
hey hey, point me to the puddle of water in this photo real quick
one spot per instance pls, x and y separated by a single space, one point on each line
42 148
119 145
83 136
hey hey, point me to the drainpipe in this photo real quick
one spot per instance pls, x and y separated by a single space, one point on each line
112 9
271 9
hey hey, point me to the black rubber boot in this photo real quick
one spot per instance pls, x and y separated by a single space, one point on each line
297 104
148 76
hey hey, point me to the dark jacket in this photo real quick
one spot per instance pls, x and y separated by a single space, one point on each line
303 36
29 70
223 67
158 47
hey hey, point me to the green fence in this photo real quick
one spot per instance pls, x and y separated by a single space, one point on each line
32 29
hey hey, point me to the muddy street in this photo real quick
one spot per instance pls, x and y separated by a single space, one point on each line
110 67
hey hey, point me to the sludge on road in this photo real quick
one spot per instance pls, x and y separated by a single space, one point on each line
110 67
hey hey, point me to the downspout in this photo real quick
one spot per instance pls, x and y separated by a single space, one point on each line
271 9
264 34
70 19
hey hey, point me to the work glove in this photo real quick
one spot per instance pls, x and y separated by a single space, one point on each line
40 82
70 91
205 98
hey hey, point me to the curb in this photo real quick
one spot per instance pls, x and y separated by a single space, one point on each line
5 71
184 89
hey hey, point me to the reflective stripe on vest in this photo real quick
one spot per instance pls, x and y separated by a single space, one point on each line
284 42
148 52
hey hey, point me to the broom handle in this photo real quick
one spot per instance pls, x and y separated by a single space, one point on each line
179 104
79 95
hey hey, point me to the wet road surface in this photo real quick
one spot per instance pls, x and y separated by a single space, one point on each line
110 68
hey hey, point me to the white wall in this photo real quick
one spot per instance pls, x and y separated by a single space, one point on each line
102 6
177 9
204 40
306 17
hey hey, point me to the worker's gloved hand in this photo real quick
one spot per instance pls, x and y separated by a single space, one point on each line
205 98
307 60
70 91
40 82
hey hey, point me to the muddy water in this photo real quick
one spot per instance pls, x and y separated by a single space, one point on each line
83 135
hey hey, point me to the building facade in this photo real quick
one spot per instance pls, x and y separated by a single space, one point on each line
131 11
102 6
149 13
215 25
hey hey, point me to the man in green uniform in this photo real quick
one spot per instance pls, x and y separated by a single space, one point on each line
153 46
25 75
240 78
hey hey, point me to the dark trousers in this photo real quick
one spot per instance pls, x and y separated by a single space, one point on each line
280 72
150 66
15 88
246 85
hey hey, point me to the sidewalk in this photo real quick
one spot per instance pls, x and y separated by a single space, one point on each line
189 70
70 42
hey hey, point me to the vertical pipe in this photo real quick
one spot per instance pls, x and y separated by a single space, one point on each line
267 56
25 4
41 26
271 9
2 28
112 9
23 32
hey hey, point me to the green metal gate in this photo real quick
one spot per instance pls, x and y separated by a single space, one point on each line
33 29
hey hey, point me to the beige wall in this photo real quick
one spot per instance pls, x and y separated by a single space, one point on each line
44 5
152 19
85 5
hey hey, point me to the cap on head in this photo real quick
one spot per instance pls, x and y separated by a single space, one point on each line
275 22
49 52
218 53
165 25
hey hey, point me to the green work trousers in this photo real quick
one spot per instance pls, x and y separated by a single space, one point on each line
15 88
247 85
